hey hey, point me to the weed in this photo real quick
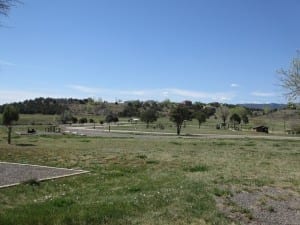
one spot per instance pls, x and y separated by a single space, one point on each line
250 144
175 143
197 168
85 140
152 162
221 192
134 189
271 209
32 182
142 156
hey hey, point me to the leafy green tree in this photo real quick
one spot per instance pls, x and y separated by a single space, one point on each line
179 114
200 116
149 116
83 120
10 114
74 119
209 111
242 112
235 119
290 79
132 108
111 118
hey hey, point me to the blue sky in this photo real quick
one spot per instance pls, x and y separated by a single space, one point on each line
201 50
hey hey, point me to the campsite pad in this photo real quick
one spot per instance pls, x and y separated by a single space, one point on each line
14 173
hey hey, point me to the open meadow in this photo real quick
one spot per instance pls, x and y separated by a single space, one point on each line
142 180
149 112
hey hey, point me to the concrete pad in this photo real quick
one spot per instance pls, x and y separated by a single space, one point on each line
12 174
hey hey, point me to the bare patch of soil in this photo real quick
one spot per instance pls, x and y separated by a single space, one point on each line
264 206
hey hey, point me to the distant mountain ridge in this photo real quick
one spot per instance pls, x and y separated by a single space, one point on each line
263 106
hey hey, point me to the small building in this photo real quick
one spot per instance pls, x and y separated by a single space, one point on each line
263 129
133 120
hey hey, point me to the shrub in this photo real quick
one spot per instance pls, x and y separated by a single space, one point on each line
66 116
161 126
295 128
83 120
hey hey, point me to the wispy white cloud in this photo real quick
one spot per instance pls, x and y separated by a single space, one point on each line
263 94
134 92
8 96
175 94
234 85
198 95
84 89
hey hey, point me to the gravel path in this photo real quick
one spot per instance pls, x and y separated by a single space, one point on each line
13 173
267 206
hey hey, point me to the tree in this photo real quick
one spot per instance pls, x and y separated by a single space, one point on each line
200 116
290 79
245 119
74 119
223 113
149 116
6 5
179 114
66 117
83 120
242 112
132 108
235 119
209 111
111 118
10 114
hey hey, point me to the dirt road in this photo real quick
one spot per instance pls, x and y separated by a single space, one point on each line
84 131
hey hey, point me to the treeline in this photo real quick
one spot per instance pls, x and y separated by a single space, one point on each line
48 106
89 106
137 108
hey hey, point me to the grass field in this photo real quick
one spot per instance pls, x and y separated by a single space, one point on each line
141 180
275 122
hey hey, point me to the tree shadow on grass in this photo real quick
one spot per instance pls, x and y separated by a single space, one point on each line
25 145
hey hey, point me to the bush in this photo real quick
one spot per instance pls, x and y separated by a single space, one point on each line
111 118
161 126
83 120
295 128
91 121
66 117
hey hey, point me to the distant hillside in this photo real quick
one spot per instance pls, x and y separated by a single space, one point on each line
49 106
89 106
270 106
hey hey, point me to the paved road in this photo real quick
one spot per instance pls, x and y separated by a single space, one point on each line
84 131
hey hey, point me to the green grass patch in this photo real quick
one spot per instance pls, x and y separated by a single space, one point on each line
141 180
197 168
152 161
